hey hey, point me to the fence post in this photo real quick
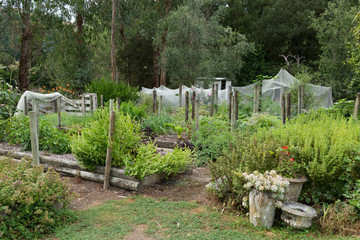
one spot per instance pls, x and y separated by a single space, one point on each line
288 105
91 105
118 103
233 113
160 104
300 98
109 150
186 106
356 106
197 114
102 101
212 100
83 104
216 97
55 105
111 104
283 109
230 106
256 99
180 96
26 110
36 110
58 103
193 105
236 105
34 134
154 101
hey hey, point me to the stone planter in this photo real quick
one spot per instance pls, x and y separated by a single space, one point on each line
295 186
261 208
297 215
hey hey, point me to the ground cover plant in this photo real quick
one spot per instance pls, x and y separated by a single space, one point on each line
28 199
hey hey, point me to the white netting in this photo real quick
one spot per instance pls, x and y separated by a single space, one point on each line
273 88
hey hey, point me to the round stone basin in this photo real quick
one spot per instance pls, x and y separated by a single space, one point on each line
297 215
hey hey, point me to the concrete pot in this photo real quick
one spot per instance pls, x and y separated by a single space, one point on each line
295 186
262 209
297 215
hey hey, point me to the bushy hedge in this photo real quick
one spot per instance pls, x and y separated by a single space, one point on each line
113 90
16 130
139 159
326 147
27 198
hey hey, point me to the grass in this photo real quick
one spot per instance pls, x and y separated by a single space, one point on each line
163 219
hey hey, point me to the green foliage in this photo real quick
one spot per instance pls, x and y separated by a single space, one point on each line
211 140
8 100
28 197
17 131
137 112
113 90
158 123
90 146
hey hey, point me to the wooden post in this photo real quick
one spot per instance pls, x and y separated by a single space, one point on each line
111 104
109 150
154 101
34 135
102 101
212 100
186 106
180 96
300 99
236 107
288 105
83 104
118 103
36 110
26 109
233 113
193 105
216 97
55 106
197 114
230 107
160 104
256 99
283 109
58 103
356 106
91 105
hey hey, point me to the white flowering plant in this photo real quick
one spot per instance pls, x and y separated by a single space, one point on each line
270 181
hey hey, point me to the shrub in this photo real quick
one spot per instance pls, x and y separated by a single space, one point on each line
27 195
8 100
113 90
159 123
136 112
17 131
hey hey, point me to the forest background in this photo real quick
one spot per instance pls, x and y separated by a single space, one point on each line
52 43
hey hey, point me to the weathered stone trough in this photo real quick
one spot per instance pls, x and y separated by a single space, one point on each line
118 177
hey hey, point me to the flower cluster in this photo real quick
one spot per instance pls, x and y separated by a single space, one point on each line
58 89
269 182
287 167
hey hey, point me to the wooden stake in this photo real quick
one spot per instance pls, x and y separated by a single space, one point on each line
180 96
186 106
256 99
26 110
356 107
193 100
111 104
91 105
118 103
212 100
233 113
216 97
283 110
197 114
236 108
300 99
83 103
102 101
160 104
109 150
58 103
288 106
230 107
34 137
154 101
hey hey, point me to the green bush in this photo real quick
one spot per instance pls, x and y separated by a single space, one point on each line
113 90
8 100
327 149
27 196
159 123
17 131
138 159
136 112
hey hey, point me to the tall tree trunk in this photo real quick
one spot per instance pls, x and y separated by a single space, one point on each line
156 66
113 57
25 54
163 72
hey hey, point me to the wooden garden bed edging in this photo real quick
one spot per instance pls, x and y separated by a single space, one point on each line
72 168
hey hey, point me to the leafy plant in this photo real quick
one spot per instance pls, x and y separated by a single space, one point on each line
8 100
136 112
27 197
178 129
158 123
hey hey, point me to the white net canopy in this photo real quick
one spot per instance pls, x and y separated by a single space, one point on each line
272 88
